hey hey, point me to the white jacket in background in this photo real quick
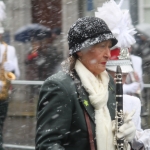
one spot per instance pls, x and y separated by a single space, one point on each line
131 103
137 66
11 56
142 136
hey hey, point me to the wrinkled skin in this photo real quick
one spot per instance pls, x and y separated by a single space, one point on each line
95 57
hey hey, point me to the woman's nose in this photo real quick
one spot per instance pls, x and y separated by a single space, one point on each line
107 53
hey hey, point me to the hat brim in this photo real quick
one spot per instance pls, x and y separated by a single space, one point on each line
92 41
124 68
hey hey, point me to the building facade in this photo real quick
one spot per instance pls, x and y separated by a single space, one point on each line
144 11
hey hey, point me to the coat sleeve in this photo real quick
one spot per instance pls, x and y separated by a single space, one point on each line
141 74
137 65
54 114
137 118
142 139
131 103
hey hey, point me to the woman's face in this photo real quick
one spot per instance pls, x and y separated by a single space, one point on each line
95 58
124 75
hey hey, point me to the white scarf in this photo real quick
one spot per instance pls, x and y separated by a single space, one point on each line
97 87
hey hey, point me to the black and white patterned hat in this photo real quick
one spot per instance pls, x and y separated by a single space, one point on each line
88 31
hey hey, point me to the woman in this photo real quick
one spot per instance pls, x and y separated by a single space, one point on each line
78 96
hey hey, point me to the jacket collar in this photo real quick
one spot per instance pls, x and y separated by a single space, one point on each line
83 96
111 85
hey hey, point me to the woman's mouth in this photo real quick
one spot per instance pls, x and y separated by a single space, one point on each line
104 63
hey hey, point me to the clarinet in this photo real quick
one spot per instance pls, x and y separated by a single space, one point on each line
119 143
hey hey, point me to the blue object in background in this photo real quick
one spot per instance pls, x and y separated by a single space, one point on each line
32 32
89 5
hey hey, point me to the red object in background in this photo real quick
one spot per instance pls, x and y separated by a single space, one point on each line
114 54
32 55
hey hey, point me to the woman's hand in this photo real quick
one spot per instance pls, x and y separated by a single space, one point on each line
128 129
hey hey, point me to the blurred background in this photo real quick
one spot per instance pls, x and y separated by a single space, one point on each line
55 18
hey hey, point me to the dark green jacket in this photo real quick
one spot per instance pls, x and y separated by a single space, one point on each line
60 119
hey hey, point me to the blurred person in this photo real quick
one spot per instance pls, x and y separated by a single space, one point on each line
42 60
44 57
9 63
141 140
9 70
123 30
134 81
74 107
120 26
120 17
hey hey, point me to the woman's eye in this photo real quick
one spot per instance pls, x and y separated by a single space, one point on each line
110 46
102 45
